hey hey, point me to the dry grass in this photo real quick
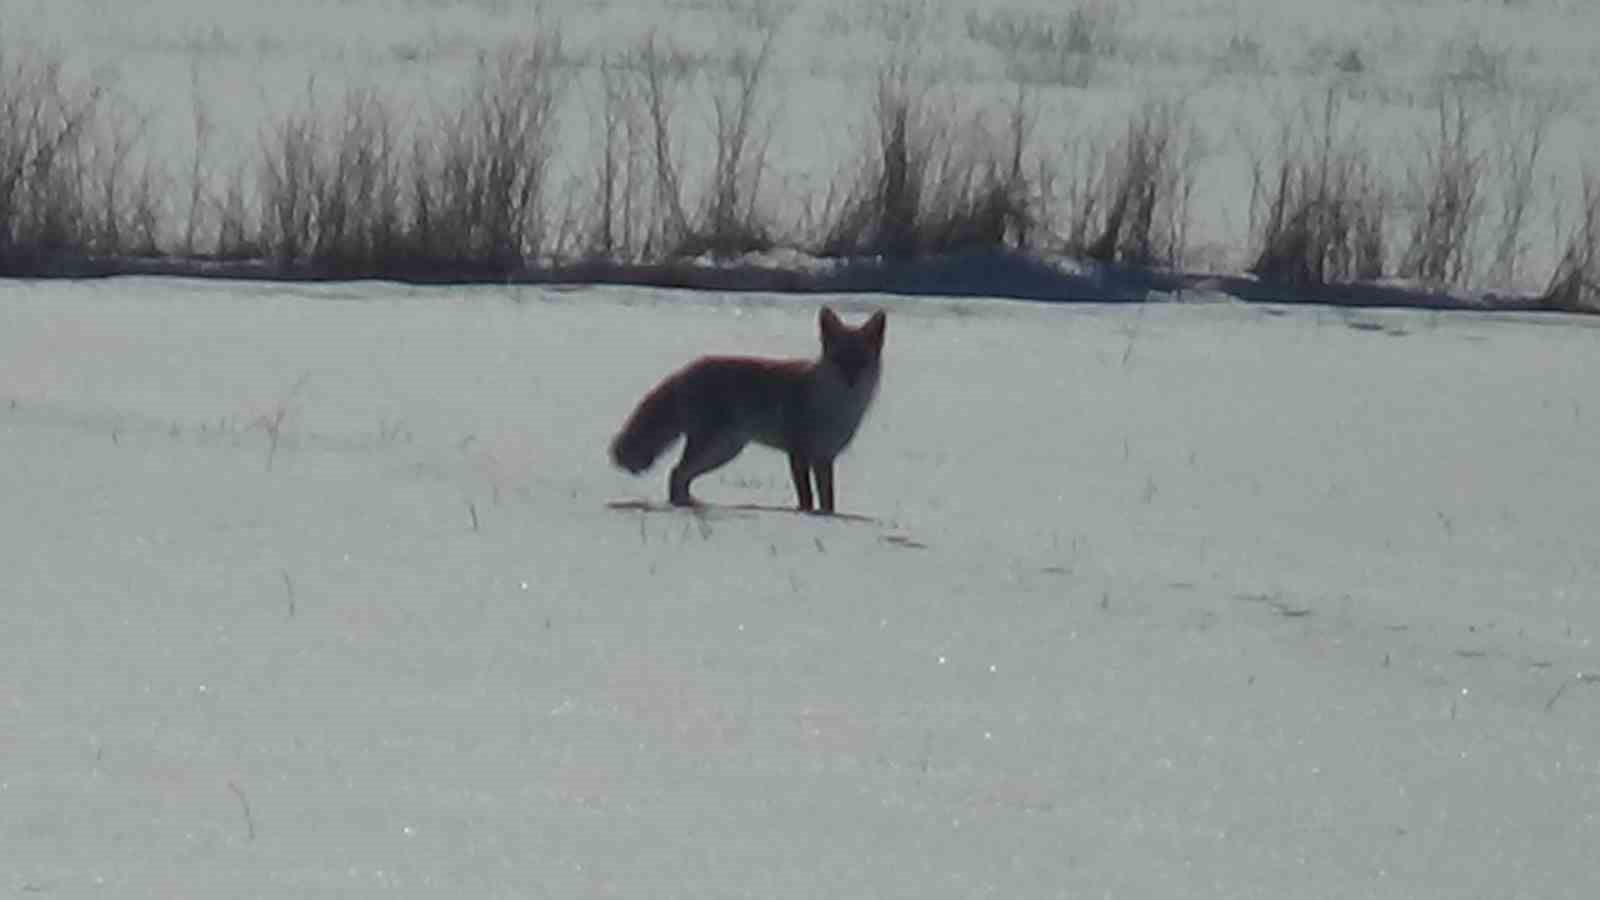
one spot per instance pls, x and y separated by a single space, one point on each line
929 180
1319 211
345 195
1444 197
1127 201
620 225
68 181
1521 139
645 205
1575 287
366 186
479 175
729 221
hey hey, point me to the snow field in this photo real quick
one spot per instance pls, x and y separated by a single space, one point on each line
1215 601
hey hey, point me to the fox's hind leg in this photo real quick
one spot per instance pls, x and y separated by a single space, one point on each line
800 471
701 454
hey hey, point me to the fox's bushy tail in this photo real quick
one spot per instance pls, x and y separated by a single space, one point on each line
654 425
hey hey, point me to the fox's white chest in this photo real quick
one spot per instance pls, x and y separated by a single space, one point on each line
836 408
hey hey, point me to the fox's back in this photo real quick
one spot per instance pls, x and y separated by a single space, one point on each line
790 404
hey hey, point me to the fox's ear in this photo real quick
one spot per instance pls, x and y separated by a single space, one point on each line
874 329
828 322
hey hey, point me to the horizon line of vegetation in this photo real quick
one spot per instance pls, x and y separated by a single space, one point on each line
467 192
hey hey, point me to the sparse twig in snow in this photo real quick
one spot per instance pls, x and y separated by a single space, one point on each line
1131 331
272 422
288 587
244 804
1550 704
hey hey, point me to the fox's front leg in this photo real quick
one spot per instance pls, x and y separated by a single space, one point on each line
824 471
800 471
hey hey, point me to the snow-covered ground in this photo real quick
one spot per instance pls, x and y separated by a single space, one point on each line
313 592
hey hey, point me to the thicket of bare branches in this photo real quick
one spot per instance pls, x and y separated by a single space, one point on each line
1319 211
69 184
346 193
365 186
1575 286
1444 198
1521 143
644 205
929 179
1129 201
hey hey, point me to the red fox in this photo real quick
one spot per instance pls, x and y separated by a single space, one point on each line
809 409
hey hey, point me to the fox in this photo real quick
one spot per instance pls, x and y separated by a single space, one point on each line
807 408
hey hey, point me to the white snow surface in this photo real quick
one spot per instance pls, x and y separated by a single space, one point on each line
1171 600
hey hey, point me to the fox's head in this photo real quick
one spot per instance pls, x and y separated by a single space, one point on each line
853 351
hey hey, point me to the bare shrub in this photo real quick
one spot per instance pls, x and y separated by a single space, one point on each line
348 195
714 212
1318 215
1521 142
619 226
202 126
980 194
930 180
218 219
331 188
359 207
1129 201
42 121
291 169
478 172
877 212
238 227
1575 286
729 221
124 202
69 181
1443 198
662 72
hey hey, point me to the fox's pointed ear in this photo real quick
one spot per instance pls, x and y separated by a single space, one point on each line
874 329
828 322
